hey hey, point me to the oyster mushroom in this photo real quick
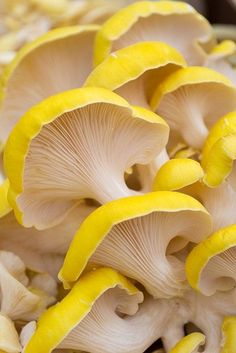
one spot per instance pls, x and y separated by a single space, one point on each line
189 344
164 21
58 61
187 176
210 266
9 340
75 145
191 100
132 235
133 72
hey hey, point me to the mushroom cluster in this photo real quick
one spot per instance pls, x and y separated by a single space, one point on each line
117 189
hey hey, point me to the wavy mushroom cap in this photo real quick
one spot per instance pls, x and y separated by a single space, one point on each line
75 145
40 250
133 72
132 235
191 100
58 61
186 175
98 315
219 152
217 59
210 266
174 23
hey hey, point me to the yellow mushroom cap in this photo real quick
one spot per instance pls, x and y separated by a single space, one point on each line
164 21
59 321
210 266
191 100
114 234
134 71
177 173
58 61
75 145
189 344
219 152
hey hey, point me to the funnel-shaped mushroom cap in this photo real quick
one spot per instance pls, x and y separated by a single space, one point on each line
189 344
172 22
58 61
219 152
210 266
133 72
77 144
33 246
217 59
191 100
132 235
17 301
9 340
91 317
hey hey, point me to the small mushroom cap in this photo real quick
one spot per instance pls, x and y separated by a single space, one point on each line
47 162
177 173
147 20
189 344
43 68
210 266
56 323
103 228
191 100
134 71
219 151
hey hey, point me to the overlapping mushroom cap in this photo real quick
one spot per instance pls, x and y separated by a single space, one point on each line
132 235
134 71
164 21
76 145
43 68
191 100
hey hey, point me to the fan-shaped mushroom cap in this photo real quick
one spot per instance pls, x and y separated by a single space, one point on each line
217 59
210 266
58 61
219 152
172 22
9 340
132 236
189 344
90 317
134 71
35 247
191 100
186 175
77 144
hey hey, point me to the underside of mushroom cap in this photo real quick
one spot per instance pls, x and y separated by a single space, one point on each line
43 68
191 100
9 340
133 72
75 145
60 320
210 266
114 234
164 21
